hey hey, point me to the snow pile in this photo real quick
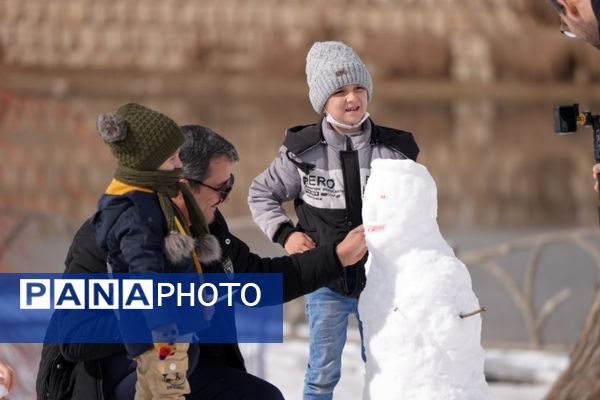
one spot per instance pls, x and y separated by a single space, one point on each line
418 346
530 366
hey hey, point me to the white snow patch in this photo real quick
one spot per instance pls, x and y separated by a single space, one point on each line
285 365
524 366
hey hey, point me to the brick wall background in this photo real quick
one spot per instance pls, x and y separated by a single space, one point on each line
462 40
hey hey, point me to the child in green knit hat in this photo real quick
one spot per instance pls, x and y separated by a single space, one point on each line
140 228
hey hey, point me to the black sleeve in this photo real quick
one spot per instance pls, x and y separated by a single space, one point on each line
85 256
89 351
302 273
283 232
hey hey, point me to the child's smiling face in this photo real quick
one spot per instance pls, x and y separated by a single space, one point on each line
348 104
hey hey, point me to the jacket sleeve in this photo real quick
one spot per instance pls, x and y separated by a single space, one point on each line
75 352
277 184
302 273
141 246
83 256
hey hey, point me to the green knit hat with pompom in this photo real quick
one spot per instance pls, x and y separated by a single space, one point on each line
140 138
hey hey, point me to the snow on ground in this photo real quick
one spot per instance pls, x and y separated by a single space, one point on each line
524 366
284 366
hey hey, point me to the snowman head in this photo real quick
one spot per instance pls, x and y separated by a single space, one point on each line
400 201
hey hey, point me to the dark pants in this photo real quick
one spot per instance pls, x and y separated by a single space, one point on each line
214 381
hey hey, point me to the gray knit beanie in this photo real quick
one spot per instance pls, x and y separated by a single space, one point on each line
331 65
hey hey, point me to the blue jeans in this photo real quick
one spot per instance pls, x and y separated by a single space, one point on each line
327 313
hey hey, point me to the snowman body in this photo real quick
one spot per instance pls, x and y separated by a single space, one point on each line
417 344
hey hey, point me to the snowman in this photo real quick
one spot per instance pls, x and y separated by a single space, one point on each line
421 321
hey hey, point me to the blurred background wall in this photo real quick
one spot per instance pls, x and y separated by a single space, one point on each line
461 40
475 80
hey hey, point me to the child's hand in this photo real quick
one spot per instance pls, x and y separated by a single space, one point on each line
7 374
353 247
298 242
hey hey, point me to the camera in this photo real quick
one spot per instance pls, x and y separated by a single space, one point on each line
565 119
568 118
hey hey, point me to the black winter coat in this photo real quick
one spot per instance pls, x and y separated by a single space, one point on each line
75 371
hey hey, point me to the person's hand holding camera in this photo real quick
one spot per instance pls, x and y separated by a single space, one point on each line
595 172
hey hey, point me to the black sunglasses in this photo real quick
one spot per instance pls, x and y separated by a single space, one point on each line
557 6
223 190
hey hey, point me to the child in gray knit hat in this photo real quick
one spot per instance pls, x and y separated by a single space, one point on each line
324 168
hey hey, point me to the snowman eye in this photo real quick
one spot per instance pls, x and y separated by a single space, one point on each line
383 195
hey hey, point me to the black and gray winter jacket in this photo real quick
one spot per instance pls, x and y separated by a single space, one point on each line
325 173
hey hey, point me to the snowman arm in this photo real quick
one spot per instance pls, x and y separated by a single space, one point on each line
268 191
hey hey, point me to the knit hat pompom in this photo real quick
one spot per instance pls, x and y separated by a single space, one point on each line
111 127
178 247
208 248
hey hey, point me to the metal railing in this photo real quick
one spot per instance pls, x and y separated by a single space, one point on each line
522 295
